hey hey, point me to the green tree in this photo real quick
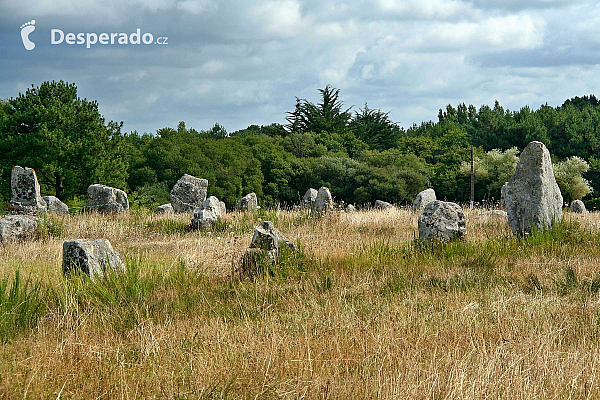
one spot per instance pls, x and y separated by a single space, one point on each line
304 145
492 170
63 137
327 116
593 175
217 132
569 176
374 128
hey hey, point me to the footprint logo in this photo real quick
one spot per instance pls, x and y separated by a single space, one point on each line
26 29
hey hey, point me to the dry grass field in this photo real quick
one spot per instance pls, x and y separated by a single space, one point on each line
362 312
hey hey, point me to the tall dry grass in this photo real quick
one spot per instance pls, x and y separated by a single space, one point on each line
364 313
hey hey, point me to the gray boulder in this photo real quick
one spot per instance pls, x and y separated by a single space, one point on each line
209 212
188 194
425 197
267 243
213 204
106 199
223 208
382 205
204 218
267 237
441 221
350 208
91 257
18 227
324 201
26 197
494 213
503 195
578 207
164 209
56 206
533 198
310 197
247 203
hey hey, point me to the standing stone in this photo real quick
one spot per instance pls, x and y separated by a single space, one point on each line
441 221
247 203
209 212
188 193
26 197
350 209
324 201
18 227
204 218
533 198
310 197
213 204
91 257
56 206
164 209
503 195
493 213
382 205
267 243
223 208
578 207
425 197
106 199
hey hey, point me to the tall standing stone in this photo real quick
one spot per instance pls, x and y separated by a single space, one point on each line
106 199
247 203
423 198
26 197
324 201
209 212
503 195
188 193
310 197
578 207
533 198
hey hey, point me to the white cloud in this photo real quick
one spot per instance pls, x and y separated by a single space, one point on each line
152 98
239 62
430 9
196 6
106 11
279 17
498 33
129 76
213 66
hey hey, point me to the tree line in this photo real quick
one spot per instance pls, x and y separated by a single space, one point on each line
361 155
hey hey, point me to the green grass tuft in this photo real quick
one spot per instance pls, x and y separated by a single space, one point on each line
21 306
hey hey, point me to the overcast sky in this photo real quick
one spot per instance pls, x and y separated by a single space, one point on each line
243 62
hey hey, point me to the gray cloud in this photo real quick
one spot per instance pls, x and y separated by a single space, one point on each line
240 63
519 5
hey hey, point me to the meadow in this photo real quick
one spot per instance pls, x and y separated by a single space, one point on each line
362 311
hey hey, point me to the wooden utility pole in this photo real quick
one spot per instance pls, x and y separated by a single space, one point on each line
472 176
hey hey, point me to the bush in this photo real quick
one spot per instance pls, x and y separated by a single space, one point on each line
592 204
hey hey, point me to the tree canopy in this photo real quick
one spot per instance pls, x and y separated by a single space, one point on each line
361 155
63 137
